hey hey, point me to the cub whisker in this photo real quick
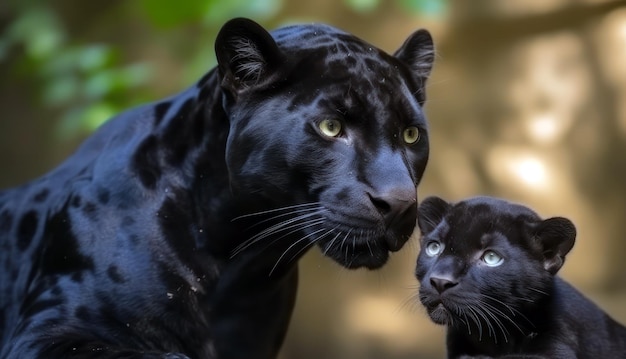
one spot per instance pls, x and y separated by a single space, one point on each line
513 311
476 320
484 315
493 312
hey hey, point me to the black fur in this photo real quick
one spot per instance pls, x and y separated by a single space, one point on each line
513 308
174 231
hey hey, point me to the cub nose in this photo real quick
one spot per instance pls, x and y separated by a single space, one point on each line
442 284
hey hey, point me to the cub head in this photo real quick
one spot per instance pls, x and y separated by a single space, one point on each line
328 132
484 261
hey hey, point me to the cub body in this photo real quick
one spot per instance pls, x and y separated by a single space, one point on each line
487 270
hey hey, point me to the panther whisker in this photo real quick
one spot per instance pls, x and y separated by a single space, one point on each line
299 217
538 291
459 315
345 238
294 244
296 222
296 213
489 310
286 208
481 311
476 320
412 302
308 245
296 228
330 245
513 311
507 317
370 248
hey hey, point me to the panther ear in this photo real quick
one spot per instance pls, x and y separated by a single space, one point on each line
247 55
418 52
431 211
556 236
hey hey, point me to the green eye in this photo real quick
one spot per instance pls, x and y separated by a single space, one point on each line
411 135
330 127
433 248
492 258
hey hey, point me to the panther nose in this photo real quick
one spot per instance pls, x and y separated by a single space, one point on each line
398 209
392 206
442 284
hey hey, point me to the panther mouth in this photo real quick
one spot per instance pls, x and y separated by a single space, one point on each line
355 253
359 246
439 313
351 241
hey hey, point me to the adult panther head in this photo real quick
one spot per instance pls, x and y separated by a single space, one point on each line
330 129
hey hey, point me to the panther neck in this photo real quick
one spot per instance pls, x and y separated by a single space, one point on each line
183 161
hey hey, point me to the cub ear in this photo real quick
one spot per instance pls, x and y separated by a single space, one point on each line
556 236
247 55
431 211
418 52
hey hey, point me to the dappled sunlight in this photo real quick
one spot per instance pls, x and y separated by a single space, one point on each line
545 127
520 169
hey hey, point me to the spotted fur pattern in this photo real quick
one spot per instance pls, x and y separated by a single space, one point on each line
174 231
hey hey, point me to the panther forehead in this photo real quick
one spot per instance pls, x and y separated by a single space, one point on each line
338 50
346 74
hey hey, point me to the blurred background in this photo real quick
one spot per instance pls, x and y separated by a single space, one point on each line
527 101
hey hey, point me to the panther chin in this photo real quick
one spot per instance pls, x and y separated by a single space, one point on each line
439 314
354 252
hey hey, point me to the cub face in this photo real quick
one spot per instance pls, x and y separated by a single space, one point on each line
484 261
330 127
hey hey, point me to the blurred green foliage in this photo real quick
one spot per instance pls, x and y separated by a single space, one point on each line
90 82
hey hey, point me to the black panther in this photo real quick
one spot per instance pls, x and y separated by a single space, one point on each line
174 231
487 270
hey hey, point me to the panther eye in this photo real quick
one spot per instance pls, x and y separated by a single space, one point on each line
411 135
492 258
330 127
433 248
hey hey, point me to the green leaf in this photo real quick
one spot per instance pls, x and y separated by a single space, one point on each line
220 11
60 91
426 7
363 6
167 14
97 114
93 57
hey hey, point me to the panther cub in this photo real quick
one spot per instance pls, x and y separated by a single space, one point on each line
487 270
174 231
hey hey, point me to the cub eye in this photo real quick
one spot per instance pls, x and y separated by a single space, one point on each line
433 248
492 258
330 127
411 135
